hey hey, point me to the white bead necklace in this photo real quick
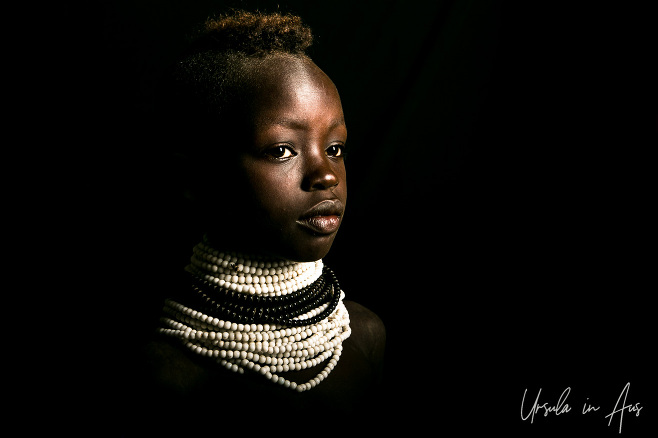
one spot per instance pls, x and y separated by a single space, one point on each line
266 349
263 277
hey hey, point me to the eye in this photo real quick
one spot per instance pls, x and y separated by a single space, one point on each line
335 150
280 152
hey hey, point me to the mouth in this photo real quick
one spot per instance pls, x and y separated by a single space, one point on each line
324 218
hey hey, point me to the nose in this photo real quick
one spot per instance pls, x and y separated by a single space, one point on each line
319 174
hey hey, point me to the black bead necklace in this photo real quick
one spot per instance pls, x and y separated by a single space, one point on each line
284 310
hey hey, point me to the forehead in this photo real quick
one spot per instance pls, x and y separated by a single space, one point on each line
291 88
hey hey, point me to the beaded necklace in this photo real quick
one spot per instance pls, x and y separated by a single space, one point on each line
262 315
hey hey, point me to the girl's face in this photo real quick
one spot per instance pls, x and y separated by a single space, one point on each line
292 165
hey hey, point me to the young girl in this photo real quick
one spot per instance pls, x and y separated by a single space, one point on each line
257 325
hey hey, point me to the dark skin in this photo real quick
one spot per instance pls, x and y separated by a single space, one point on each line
288 160
291 161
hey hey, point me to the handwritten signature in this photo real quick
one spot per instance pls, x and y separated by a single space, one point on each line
562 407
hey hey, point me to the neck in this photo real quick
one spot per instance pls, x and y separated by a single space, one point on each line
255 275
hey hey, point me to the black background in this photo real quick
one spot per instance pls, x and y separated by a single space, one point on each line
499 191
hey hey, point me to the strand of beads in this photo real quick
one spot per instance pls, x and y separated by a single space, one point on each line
261 276
262 348
244 308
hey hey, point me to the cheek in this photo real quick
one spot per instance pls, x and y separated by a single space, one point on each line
343 178
275 191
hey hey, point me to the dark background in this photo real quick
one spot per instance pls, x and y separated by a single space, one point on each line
501 155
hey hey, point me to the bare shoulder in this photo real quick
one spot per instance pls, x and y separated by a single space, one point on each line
362 316
368 331
170 368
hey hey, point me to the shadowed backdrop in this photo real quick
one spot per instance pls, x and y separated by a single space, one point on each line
497 172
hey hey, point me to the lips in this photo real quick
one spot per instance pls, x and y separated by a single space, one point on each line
323 218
